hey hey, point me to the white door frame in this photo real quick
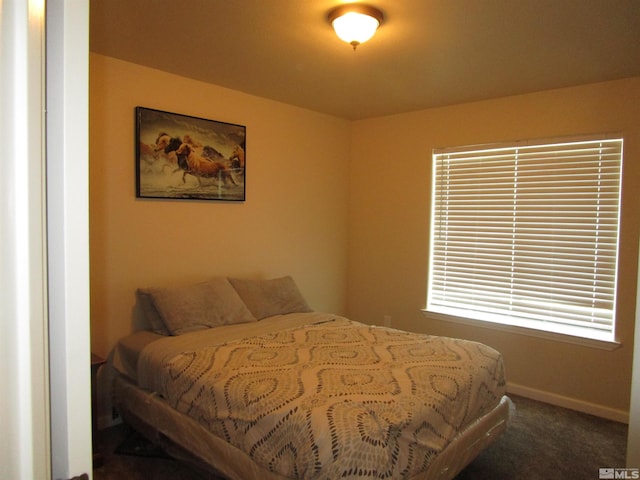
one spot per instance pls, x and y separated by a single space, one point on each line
67 124
24 403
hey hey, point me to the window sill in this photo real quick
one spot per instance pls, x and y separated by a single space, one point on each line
602 344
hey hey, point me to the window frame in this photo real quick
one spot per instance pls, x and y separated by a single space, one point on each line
536 328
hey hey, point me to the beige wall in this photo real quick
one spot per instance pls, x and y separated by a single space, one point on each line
294 219
389 188
342 206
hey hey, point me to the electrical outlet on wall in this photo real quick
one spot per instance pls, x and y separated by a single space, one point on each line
387 320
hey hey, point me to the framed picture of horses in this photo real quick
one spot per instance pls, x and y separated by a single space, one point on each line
184 157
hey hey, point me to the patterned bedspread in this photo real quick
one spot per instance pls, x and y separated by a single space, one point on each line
335 399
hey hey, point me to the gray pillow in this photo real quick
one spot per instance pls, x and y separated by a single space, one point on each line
266 298
204 305
153 319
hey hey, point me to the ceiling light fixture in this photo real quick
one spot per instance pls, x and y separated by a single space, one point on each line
355 23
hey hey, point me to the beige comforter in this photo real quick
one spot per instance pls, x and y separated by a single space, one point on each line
319 396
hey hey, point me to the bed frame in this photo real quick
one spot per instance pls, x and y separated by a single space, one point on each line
186 440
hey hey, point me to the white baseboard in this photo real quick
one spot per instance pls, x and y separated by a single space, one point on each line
567 402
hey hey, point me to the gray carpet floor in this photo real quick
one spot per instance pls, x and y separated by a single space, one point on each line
542 442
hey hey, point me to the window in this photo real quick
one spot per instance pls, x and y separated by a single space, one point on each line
527 235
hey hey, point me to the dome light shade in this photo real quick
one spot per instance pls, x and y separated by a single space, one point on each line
355 23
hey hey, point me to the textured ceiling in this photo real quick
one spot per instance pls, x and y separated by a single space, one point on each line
427 53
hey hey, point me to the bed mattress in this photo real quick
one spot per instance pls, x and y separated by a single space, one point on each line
312 395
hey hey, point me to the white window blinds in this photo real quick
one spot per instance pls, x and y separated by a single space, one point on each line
527 235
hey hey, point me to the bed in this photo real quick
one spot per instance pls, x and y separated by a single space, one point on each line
242 379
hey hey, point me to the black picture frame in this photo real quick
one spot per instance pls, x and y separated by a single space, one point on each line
189 158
